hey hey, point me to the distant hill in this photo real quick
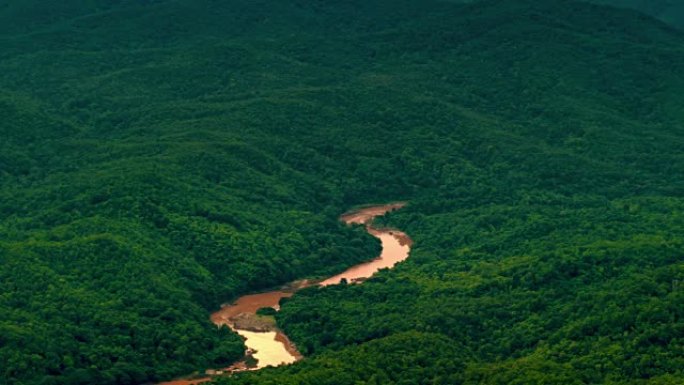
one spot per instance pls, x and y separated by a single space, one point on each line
669 11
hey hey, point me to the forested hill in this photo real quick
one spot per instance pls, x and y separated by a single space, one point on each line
161 157
670 11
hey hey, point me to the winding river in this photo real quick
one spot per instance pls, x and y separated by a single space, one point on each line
269 346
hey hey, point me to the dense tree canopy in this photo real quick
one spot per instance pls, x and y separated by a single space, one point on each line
669 11
159 158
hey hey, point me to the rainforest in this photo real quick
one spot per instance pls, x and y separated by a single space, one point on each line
162 158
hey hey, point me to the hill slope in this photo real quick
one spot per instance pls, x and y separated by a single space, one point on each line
162 157
670 11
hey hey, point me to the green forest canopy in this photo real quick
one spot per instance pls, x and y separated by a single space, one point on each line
669 11
159 158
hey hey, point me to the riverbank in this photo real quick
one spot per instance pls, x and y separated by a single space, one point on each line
269 346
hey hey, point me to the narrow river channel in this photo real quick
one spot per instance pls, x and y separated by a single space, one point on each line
268 345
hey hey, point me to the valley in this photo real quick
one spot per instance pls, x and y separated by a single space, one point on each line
266 344
160 158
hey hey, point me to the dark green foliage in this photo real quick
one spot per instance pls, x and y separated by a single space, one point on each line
399 359
161 157
670 11
593 295
268 311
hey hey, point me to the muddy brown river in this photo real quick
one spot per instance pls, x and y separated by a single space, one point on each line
268 345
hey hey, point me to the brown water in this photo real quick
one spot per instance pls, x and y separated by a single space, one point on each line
395 248
268 345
